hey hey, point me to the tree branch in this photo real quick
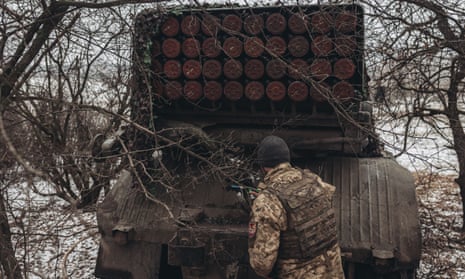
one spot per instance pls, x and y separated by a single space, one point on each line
108 4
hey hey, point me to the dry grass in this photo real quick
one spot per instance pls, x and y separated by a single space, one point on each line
440 208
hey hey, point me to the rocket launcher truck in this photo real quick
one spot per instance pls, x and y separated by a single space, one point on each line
208 83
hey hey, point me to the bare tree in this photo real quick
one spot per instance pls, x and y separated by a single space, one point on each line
49 83
418 53
9 263
48 69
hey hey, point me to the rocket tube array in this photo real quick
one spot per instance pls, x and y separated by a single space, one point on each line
257 55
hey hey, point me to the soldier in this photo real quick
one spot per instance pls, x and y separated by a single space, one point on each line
292 230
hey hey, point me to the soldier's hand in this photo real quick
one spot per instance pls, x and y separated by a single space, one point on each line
254 193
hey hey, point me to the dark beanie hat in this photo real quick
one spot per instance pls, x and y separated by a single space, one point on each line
272 151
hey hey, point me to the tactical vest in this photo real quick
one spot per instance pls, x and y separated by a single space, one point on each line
310 216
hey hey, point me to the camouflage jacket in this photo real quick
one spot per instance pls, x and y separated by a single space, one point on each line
268 220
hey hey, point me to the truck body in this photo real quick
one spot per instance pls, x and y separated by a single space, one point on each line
208 84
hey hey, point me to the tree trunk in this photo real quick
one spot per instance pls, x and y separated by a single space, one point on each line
7 254
453 115
461 183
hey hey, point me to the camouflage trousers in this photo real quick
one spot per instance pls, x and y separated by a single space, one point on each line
326 266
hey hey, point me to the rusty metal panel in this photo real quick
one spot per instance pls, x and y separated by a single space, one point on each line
376 208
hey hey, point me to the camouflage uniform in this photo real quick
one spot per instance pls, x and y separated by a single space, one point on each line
268 223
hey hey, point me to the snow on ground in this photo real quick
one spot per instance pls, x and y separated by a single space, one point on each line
52 241
443 243
426 150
